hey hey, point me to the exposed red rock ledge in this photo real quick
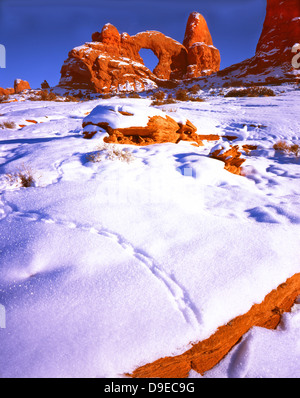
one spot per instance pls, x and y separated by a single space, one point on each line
231 158
158 130
204 355
111 62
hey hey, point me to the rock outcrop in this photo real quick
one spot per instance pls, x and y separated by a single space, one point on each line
203 57
230 155
204 355
272 61
281 31
111 62
6 91
21 85
138 126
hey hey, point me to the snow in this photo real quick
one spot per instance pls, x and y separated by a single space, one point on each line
200 44
138 115
111 265
264 353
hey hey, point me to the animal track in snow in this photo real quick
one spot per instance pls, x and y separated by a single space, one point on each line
178 295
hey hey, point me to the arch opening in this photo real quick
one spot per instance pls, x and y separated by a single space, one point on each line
149 58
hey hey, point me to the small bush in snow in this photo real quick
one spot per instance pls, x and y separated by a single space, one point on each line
71 98
236 83
282 146
22 178
194 89
4 98
111 152
106 96
168 100
182 95
134 95
45 95
158 95
196 99
8 125
251 92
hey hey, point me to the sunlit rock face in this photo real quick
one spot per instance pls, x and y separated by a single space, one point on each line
276 48
111 61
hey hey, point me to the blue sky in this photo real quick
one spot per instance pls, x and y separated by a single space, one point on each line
38 34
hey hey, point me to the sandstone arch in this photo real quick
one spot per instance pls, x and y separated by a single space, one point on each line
172 56
111 62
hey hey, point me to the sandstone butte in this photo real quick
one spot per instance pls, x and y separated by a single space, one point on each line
273 56
111 61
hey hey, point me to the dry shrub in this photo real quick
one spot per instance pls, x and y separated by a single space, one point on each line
159 96
194 89
236 83
106 96
22 177
282 146
4 98
71 98
8 125
196 99
134 95
183 95
168 100
251 92
111 152
45 95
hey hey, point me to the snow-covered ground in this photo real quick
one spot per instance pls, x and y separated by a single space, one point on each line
106 266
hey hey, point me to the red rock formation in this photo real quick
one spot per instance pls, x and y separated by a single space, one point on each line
231 157
111 62
21 85
280 32
204 355
159 129
203 57
273 57
6 91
